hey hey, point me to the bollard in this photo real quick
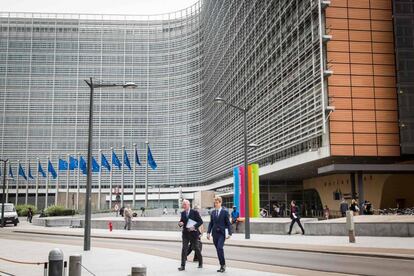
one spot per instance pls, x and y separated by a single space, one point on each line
56 262
75 268
139 270
350 226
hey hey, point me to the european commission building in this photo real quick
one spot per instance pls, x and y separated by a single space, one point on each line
266 56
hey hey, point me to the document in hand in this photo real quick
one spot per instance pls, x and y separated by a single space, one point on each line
190 223
227 232
294 215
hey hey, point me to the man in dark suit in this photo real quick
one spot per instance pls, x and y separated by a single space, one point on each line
219 223
190 233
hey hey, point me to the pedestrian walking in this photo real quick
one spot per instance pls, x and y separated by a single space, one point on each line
190 221
354 207
200 234
220 228
121 211
165 211
294 216
343 207
29 215
127 217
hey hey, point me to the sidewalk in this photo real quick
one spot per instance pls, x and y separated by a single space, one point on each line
101 261
384 246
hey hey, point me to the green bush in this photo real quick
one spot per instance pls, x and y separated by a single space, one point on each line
56 210
24 208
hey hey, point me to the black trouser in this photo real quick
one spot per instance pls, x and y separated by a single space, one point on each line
191 248
293 222
187 239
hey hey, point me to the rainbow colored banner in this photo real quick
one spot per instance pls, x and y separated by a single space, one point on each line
254 190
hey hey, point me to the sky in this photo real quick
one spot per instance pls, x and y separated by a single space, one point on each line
136 7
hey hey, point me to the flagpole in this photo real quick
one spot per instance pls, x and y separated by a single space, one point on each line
110 181
57 183
77 184
17 182
27 184
122 178
37 183
67 183
7 186
146 179
47 183
99 179
134 187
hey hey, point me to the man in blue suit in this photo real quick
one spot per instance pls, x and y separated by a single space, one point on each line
190 233
219 223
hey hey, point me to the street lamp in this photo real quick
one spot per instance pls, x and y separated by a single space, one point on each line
87 233
220 100
3 194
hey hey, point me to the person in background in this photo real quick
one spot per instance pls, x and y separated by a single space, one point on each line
294 216
165 211
263 212
354 207
128 217
235 217
326 212
121 211
29 215
343 207
220 228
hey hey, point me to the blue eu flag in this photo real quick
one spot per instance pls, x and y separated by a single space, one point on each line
104 162
63 165
115 160
137 158
29 174
21 172
151 160
82 165
11 171
51 169
73 163
126 160
95 165
40 170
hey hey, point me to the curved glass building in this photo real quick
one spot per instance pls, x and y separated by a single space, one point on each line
290 63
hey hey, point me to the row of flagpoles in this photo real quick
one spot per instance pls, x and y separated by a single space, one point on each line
80 163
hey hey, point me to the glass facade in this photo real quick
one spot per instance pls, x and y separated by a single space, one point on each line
45 59
265 55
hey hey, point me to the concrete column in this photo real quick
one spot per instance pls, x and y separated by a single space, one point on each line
361 197
353 186
350 227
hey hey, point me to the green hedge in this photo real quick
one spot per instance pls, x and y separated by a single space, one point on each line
22 209
56 210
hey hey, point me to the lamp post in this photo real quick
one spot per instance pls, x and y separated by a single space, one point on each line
4 187
246 168
87 233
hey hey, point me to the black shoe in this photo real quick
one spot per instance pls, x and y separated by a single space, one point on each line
289 233
222 269
181 268
200 265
